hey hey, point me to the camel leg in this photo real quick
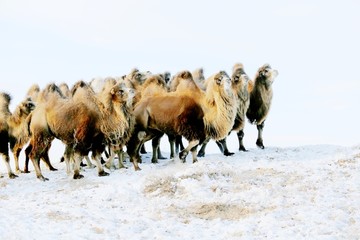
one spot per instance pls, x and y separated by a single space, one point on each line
110 162
159 154
133 147
224 147
77 158
179 144
46 159
100 168
240 135
89 163
37 169
68 157
27 153
67 163
35 155
172 146
194 154
142 149
16 152
7 163
185 152
201 152
155 145
259 141
120 154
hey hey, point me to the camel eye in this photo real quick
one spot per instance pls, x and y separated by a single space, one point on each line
121 92
218 80
236 78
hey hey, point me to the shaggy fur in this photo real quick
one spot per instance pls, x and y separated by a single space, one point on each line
80 125
260 99
5 115
210 116
240 82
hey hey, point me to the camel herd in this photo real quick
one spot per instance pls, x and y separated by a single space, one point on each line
106 116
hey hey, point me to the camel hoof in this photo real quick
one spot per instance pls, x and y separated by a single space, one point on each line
161 157
228 153
201 154
137 169
103 174
243 149
154 161
78 176
42 178
121 165
25 171
260 144
182 156
12 176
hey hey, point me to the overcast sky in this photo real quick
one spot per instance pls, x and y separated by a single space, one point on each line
313 44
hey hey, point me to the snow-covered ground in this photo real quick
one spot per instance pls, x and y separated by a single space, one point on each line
303 192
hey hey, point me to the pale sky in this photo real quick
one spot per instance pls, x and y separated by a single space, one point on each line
313 44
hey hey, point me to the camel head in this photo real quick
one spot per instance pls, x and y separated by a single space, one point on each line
222 82
122 95
27 106
239 78
135 76
266 75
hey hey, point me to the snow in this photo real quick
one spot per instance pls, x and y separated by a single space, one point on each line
300 192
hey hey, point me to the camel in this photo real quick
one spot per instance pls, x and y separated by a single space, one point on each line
260 99
40 97
155 85
5 115
209 115
240 82
18 132
185 86
82 125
